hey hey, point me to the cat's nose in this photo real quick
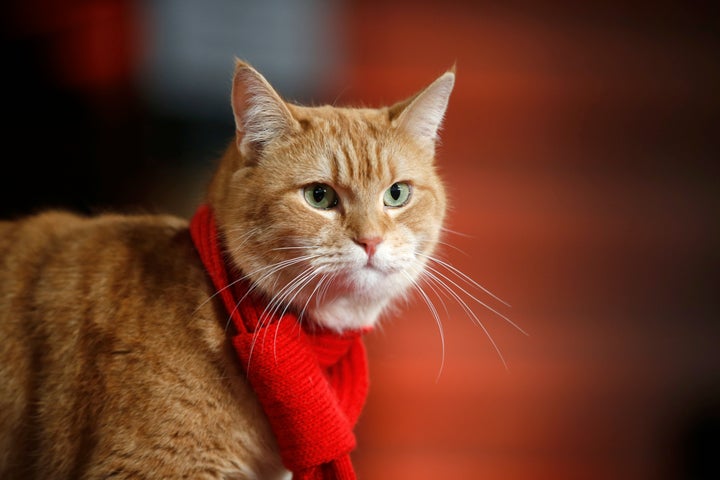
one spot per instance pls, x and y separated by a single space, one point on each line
369 244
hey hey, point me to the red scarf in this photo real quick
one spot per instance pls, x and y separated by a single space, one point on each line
312 385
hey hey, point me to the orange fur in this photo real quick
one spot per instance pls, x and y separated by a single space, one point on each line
114 360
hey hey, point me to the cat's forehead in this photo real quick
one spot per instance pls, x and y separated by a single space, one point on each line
347 146
339 120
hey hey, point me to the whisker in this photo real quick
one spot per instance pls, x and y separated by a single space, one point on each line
274 268
450 245
307 302
434 270
301 247
299 288
455 232
439 294
436 316
468 311
324 290
463 276
266 315
283 299
279 298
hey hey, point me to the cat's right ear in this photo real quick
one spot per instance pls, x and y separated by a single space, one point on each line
261 116
421 115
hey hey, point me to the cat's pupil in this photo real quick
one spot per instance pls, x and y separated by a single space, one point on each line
319 193
395 191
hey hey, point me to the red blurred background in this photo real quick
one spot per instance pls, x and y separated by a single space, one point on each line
581 154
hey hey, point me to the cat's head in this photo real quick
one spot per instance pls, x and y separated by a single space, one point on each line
331 211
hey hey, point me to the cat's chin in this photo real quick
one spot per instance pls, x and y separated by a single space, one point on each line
366 295
345 313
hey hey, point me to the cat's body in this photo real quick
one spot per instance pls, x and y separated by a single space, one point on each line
112 364
114 359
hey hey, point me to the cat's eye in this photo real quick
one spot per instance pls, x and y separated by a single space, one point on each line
397 195
319 195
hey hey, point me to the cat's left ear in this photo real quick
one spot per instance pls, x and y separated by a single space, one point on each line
261 116
421 115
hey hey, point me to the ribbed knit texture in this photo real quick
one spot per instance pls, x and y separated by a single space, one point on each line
312 385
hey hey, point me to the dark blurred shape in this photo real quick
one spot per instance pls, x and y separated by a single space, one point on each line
124 104
73 130
186 73
695 455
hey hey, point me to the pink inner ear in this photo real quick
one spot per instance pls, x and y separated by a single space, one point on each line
260 114
423 116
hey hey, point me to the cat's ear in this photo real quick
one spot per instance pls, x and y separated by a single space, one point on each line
421 115
261 116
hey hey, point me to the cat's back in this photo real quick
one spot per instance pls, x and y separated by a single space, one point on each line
74 242
52 257
113 360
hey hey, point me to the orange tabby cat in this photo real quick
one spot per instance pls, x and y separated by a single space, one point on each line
114 360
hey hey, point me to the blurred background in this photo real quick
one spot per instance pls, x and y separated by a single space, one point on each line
581 152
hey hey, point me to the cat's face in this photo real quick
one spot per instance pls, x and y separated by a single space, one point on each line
336 211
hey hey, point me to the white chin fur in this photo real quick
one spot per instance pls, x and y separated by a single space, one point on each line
344 313
368 294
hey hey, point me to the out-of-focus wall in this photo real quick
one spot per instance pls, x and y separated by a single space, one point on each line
191 45
580 151
131 98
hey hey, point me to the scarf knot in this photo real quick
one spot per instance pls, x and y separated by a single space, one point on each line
311 384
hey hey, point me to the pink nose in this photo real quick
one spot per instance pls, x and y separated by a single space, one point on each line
369 244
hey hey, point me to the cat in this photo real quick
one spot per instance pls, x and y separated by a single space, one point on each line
114 359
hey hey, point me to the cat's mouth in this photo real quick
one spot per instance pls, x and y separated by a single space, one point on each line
382 265
378 268
371 264
375 270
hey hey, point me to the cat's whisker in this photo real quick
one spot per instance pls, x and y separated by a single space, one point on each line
299 247
450 245
280 300
455 284
466 278
439 294
310 297
455 232
285 303
282 297
275 268
299 287
323 291
428 274
342 92
435 315
243 238
217 292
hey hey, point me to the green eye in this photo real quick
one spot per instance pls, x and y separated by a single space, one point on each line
397 195
321 196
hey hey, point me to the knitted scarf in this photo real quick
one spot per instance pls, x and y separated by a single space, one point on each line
311 384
